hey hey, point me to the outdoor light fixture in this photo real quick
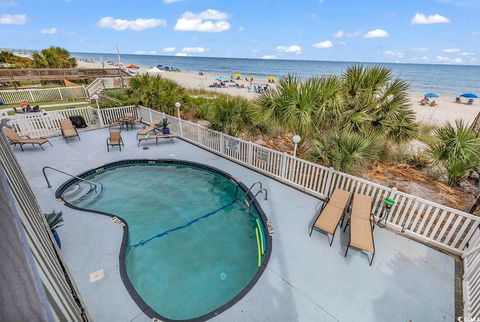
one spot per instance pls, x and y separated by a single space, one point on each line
178 105
296 139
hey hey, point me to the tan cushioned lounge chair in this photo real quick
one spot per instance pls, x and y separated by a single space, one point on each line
151 128
15 139
68 131
332 211
362 224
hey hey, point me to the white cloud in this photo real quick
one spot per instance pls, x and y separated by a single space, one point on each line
468 54
194 50
241 29
419 50
254 51
209 20
456 61
168 49
269 57
346 34
421 19
451 50
294 49
377 33
13 19
181 54
442 59
171 1
476 33
49 31
393 53
136 25
323 44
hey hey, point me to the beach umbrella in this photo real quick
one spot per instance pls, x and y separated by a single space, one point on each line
469 95
431 95
237 74
132 66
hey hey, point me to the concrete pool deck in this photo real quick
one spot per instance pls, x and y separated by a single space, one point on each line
305 280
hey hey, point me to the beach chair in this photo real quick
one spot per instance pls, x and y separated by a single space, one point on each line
68 131
115 139
146 130
332 211
362 224
15 139
470 101
433 103
457 100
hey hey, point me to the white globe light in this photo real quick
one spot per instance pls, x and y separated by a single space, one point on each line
296 139
177 104
95 96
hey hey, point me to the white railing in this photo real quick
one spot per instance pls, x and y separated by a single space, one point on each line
430 222
95 87
111 115
100 84
42 94
47 124
471 279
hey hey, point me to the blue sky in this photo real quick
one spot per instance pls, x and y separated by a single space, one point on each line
426 31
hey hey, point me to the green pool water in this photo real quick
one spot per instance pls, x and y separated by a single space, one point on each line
196 269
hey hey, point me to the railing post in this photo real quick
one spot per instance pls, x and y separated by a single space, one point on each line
85 91
328 184
222 143
100 117
31 95
199 134
60 93
284 165
150 115
250 153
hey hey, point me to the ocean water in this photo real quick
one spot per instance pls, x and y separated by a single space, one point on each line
450 80
193 270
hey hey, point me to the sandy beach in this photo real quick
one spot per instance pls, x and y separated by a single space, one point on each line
446 110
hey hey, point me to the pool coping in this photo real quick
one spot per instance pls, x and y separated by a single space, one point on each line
144 307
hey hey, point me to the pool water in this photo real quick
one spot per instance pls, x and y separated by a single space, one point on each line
192 243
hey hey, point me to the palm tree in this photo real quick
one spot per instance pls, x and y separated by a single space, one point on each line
457 150
345 151
156 92
53 57
231 114
378 103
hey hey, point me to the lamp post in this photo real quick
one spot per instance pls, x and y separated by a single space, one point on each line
296 139
99 113
178 105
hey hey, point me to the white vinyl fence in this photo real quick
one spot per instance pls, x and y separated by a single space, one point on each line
471 279
43 94
424 220
48 124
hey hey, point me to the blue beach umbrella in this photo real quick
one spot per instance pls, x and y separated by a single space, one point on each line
431 95
469 95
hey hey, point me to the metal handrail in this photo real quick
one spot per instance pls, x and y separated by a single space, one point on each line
259 192
68 174
251 187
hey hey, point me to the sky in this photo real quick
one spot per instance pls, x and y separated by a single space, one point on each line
407 31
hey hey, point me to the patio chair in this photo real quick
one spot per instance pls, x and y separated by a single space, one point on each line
151 128
470 101
68 131
332 211
115 139
15 139
362 224
458 100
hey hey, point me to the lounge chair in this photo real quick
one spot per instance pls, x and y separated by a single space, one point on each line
470 101
115 139
68 131
156 137
362 224
458 100
332 211
151 128
433 103
15 139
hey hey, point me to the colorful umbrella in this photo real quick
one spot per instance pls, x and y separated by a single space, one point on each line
469 95
132 67
431 95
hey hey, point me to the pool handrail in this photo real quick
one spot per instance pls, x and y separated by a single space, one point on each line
68 174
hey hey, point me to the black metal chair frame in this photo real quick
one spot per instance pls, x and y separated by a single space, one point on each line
66 138
112 145
14 143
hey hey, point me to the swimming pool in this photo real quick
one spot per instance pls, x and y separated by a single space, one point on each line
192 245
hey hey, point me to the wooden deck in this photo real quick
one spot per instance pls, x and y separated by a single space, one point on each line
43 74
